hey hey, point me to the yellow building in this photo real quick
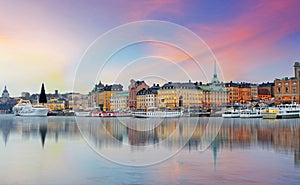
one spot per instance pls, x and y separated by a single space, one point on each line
180 95
147 98
233 92
55 104
105 96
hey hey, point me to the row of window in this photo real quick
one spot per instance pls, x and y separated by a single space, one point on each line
294 89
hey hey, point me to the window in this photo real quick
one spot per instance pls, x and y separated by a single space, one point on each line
294 89
278 89
286 89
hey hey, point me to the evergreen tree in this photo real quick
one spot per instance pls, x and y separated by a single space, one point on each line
43 98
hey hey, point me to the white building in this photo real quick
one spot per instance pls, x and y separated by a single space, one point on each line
118 101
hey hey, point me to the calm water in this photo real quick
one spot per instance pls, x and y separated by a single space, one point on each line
52 150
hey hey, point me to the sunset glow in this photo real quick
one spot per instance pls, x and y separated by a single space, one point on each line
43 41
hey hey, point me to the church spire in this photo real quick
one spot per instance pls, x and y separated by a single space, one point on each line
215 79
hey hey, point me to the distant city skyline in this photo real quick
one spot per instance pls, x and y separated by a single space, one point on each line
43 41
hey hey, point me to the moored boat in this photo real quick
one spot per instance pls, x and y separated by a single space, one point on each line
250 113
83 113
154 113
282 112
24 108
231 114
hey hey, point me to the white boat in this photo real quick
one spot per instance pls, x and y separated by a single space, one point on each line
157 114
231 114
253 113
21 104
86 112
83 113
115 114
24 108
282 111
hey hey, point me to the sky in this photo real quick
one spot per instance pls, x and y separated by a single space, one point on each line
50 41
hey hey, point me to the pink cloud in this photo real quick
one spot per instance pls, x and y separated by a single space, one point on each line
143 9
243 43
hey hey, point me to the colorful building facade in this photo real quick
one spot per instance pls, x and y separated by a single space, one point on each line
118 101
180 95
133 88
287 90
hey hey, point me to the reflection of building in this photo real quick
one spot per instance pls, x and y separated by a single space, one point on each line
180 94
297 149
118 100
133 88
147 97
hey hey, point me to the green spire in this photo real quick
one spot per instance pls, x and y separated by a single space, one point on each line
215 79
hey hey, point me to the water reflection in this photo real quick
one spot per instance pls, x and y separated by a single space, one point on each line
282 136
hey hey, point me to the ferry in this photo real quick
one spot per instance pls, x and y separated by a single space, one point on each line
247 113
154 113
282 111
231 114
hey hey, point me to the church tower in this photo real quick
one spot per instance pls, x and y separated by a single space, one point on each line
5 94
297 69
215 79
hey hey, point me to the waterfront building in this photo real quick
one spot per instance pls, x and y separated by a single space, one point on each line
244 92
264 94
105 95
254 92
180 95
133 88
214 93
147 97
287 90
76 101
241 92
233 92
93 96
118 101
56 104
265 91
